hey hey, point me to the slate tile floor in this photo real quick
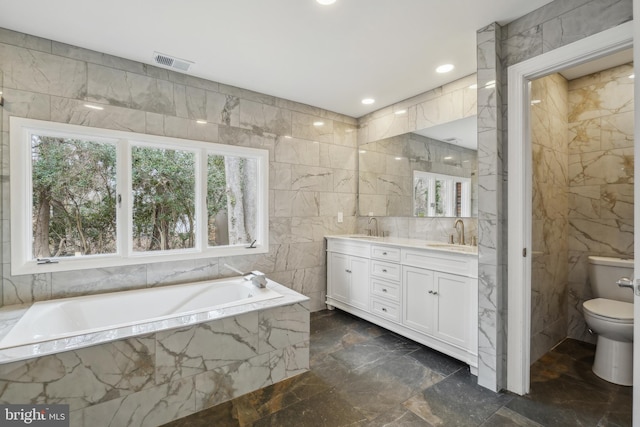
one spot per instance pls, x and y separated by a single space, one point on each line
363 375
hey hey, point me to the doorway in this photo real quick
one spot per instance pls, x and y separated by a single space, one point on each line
521 247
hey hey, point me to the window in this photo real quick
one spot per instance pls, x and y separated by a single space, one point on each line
440 195
85 198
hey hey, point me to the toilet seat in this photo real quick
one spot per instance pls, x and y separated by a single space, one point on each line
610 310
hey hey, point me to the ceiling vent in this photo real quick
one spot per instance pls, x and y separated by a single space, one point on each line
171 61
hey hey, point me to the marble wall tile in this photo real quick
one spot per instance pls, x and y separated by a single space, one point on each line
126 89
83 377
147 408
189 351
338 157
312 128
41 72
73 111
25 40
298 151
176 272
21 103
542 14
576 24
74 283
25 288
282 327
263 118
225 383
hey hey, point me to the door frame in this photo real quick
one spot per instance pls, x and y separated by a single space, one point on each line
520 185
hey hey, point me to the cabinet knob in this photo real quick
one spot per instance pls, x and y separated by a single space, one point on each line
348 271
384 309
384 253
384 270
435 293
384 290
430 292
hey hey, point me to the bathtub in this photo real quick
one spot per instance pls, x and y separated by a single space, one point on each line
119 314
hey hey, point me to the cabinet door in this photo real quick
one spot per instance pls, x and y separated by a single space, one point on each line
359 292
419 300
451 317
339 276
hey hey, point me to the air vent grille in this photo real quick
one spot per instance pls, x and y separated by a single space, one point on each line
171 62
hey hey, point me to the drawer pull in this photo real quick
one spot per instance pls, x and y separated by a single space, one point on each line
384 290
348 271
384 253
384 309
384 270
433 292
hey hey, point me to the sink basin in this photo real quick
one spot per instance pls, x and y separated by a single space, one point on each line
453 247
363 237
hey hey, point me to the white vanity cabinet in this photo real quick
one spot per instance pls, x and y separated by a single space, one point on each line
425 294
348 274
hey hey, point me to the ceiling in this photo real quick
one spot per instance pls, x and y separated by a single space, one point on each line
326 56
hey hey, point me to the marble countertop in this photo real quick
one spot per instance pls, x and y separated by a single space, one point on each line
411 243
10 315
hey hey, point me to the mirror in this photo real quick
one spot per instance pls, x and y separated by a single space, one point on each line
428 173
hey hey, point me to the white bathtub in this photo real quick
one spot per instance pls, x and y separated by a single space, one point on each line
76 317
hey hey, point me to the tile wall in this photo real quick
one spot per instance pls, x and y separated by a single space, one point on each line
550 212
601 179
549 27
313 169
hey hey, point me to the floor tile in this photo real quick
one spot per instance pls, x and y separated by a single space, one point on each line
328 409
458 400
362 375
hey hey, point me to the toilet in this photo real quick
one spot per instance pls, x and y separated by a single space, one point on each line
610 315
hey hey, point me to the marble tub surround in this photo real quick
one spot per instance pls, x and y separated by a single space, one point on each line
11 315
601 179
550 225
168 371
313 170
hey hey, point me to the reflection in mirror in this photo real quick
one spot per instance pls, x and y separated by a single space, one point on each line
441 195
416 175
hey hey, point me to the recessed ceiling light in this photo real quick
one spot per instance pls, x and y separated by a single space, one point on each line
445 68
473 86
400 112
448 157
94 107
326 2
287 136
201 122
632 76
398 158
362 151
535 101
318 123
368 101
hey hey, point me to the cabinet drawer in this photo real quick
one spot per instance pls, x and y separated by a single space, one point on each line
440 261
385 253
362 249
386 309
386 270
385 289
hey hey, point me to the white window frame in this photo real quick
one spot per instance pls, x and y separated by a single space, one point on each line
449 188
22 261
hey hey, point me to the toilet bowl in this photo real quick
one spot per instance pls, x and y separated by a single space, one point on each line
610 316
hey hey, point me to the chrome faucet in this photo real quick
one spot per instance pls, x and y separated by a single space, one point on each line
461 231
256 277
376 230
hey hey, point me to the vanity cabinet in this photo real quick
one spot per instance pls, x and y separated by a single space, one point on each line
427 295
438 304
348 276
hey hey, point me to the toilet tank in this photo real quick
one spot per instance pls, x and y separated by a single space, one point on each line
604 272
